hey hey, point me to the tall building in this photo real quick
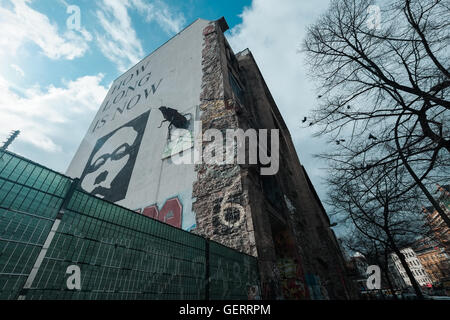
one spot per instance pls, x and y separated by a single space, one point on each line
414 265
357 266
155 147
439 229
396 277
434 259
433 251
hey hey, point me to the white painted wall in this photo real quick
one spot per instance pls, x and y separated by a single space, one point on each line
178 64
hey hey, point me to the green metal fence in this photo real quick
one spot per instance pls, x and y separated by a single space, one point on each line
48 227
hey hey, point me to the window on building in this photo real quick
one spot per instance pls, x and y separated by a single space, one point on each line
272 191
236 87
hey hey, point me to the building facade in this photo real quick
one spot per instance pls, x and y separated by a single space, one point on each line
357 266
439 229
153 148
396 277
434 250
434 259
414 265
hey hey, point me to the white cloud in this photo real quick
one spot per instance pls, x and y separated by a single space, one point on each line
52 119
118 41
274 34
158 11
23 24
18 70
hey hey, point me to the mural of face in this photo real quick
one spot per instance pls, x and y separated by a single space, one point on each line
109 168
106 166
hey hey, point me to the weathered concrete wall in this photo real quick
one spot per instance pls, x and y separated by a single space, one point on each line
277 218
311 265
221 203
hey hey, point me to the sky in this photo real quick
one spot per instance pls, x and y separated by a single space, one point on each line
54 73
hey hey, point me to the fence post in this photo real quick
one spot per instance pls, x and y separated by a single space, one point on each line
48 241
207 270
68 197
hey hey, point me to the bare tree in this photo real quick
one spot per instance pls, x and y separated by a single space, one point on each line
373 251
380 210
385 89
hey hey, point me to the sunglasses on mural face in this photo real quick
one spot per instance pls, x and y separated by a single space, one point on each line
118 154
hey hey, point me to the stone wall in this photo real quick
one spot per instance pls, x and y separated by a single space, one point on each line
221 204
279 218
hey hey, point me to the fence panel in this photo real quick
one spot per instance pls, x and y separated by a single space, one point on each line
121 255
232 273
27 212
117 253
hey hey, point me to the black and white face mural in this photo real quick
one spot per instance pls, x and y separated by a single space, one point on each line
108 171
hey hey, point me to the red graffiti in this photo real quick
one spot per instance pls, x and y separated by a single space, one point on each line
170 213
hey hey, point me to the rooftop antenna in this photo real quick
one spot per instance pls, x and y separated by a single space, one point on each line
10 140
